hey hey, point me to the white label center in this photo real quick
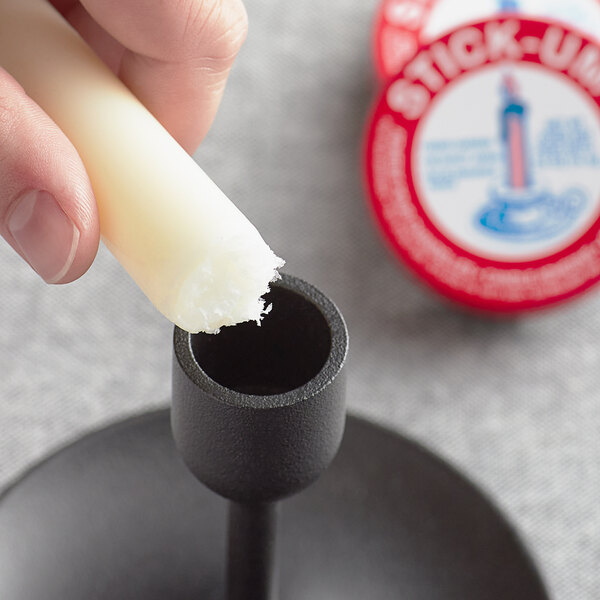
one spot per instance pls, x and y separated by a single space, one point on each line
505 162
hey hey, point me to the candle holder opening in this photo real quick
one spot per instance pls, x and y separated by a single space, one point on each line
284 352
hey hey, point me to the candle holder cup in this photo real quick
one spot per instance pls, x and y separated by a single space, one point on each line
258 412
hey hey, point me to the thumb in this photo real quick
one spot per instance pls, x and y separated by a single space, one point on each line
47 209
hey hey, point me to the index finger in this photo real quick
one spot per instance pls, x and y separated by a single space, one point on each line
175 56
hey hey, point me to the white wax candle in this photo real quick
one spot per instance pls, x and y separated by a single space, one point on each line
191 251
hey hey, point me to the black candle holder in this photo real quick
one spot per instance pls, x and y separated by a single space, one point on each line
257 416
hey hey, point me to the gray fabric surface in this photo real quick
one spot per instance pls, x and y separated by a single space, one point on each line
513 404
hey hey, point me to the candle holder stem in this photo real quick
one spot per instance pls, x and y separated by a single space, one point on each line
252 553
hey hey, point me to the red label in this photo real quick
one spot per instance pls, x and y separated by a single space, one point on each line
401 27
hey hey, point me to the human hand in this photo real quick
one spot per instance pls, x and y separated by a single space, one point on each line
175 57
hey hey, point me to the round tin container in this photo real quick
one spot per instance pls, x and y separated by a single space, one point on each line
482 163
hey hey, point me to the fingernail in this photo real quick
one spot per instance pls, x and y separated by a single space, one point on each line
46 236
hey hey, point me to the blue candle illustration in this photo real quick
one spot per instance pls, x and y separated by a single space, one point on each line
514 135
519 210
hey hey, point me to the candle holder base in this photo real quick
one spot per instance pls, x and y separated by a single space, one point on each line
117 515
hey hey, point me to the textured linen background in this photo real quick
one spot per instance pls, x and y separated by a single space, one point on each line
513 404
